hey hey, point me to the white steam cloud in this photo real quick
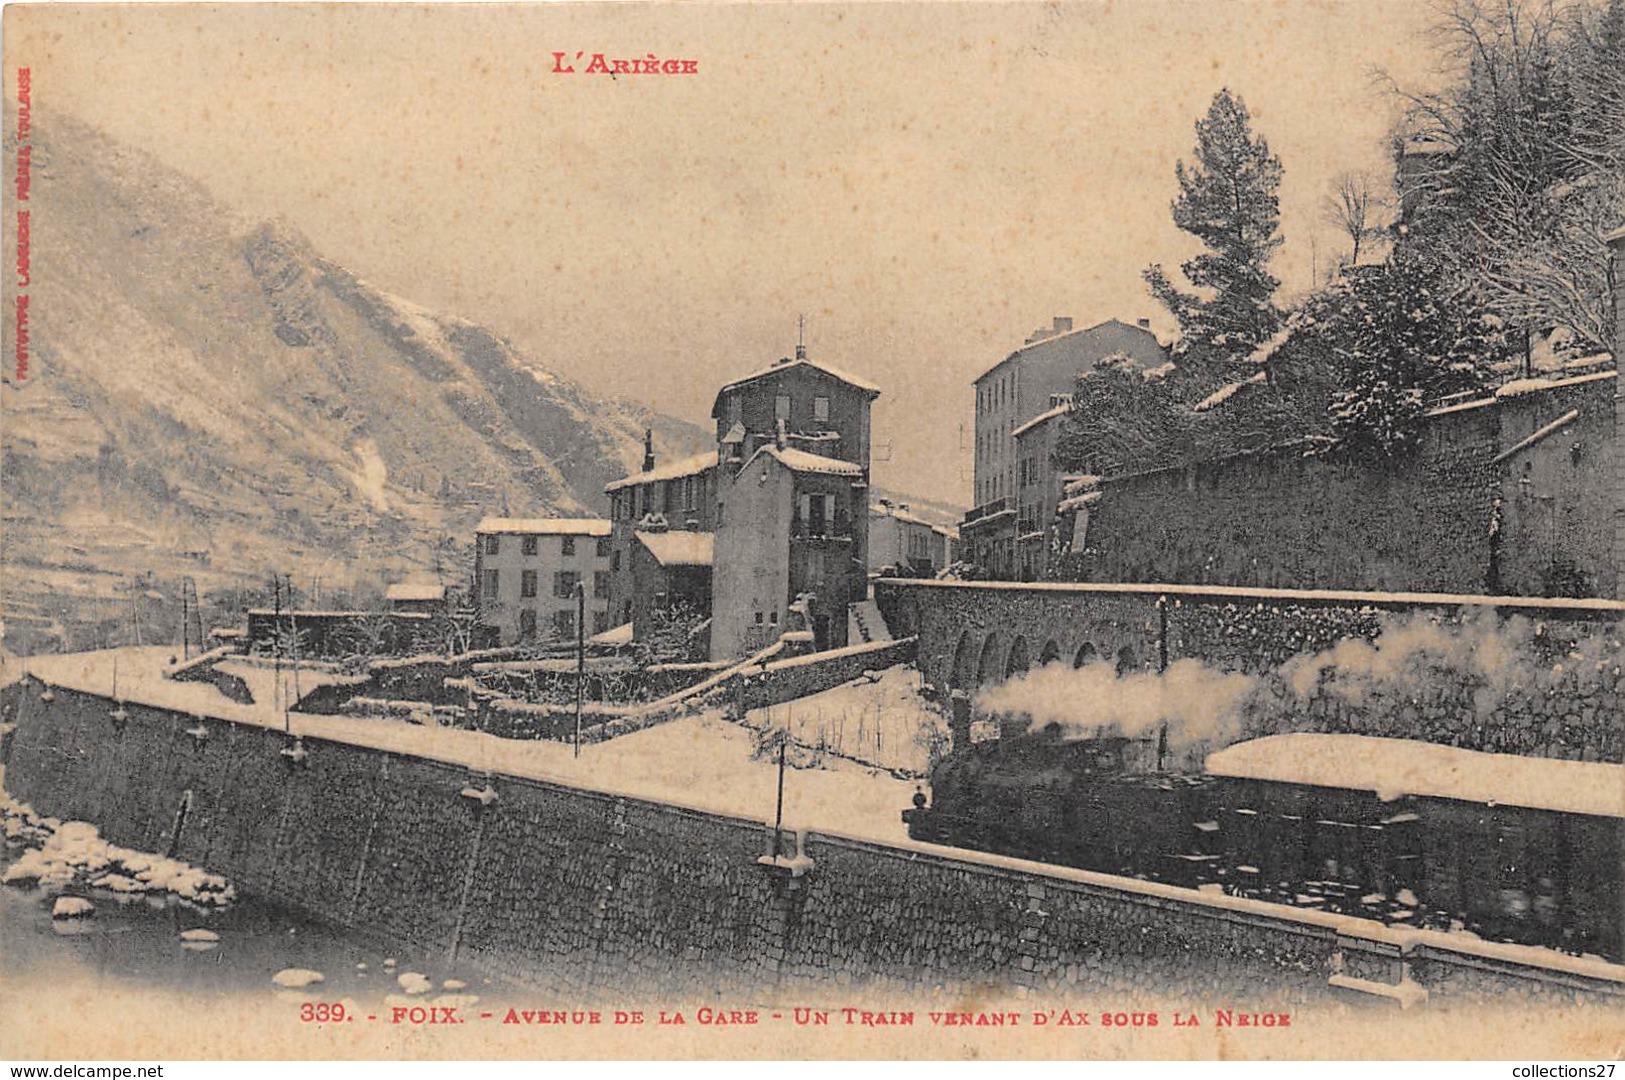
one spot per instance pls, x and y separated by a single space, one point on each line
1198 703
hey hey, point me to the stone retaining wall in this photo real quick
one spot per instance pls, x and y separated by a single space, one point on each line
593 893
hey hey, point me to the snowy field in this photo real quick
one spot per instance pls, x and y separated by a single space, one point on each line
702 762
882 722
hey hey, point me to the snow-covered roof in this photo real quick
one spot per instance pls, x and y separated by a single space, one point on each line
803 462
407 591
1077 502
679 548
620 635
675 470
879 510
1226 392
1266 349
1041 418
1519 387
545 526
1053 338
1161 371
794 365
1395 767
335 613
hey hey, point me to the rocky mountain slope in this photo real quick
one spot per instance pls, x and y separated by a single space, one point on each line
212 398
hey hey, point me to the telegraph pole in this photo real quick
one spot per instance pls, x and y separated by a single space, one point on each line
581 655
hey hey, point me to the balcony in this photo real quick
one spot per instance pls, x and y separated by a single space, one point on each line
821 528
987 511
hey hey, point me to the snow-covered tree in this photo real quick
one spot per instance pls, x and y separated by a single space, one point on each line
1399 339
1122 421
1228 201
1529 171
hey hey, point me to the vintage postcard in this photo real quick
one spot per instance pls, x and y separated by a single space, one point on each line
813 530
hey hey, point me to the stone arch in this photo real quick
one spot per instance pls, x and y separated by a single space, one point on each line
1017 662
1127 662
963 674
987 668
1087 654
1050 654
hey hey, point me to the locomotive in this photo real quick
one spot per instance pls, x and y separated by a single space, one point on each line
1523 850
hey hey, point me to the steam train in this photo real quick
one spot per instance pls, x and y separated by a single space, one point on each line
1524 850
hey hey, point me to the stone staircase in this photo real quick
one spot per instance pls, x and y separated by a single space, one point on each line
865 623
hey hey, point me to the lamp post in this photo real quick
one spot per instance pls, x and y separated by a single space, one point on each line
581 655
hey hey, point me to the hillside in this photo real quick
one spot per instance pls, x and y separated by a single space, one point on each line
211 397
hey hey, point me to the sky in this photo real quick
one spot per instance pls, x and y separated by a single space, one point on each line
925 183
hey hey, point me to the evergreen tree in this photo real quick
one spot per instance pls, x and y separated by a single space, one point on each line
1399 339
1122 421
1227 199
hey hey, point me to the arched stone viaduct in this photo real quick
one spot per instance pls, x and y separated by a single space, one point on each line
974 634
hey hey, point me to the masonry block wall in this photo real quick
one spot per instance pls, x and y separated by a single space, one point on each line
976 634
600 896
1423 523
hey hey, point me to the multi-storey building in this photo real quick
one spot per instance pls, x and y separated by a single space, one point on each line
774 512
677 498
1038 487
793 443
1014 391
526 571
905 543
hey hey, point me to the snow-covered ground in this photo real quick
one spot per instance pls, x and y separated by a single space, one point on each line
702 762
707 763
882 722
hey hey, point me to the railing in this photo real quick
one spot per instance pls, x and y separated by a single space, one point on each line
838 529
988 509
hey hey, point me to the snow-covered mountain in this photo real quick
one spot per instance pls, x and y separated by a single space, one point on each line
212 398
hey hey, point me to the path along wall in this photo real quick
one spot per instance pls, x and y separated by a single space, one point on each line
604 896
976 634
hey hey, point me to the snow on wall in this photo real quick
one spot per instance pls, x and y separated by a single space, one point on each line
659 898
1427 522
1518 676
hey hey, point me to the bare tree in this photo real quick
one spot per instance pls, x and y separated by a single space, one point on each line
1354 208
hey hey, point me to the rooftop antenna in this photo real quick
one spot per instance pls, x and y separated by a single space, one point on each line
801 337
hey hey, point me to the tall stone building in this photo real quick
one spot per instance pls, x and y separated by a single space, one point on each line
777 511
1015 391
793 451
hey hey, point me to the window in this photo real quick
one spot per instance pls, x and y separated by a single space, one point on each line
493 545
600 583
527 623
528 547
489 585
564 584
820 408
567 545
615 559
781 408
564 623
600 621
527 584
603 547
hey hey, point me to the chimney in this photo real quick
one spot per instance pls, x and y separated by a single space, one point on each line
1143 324
1063 324
648 450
